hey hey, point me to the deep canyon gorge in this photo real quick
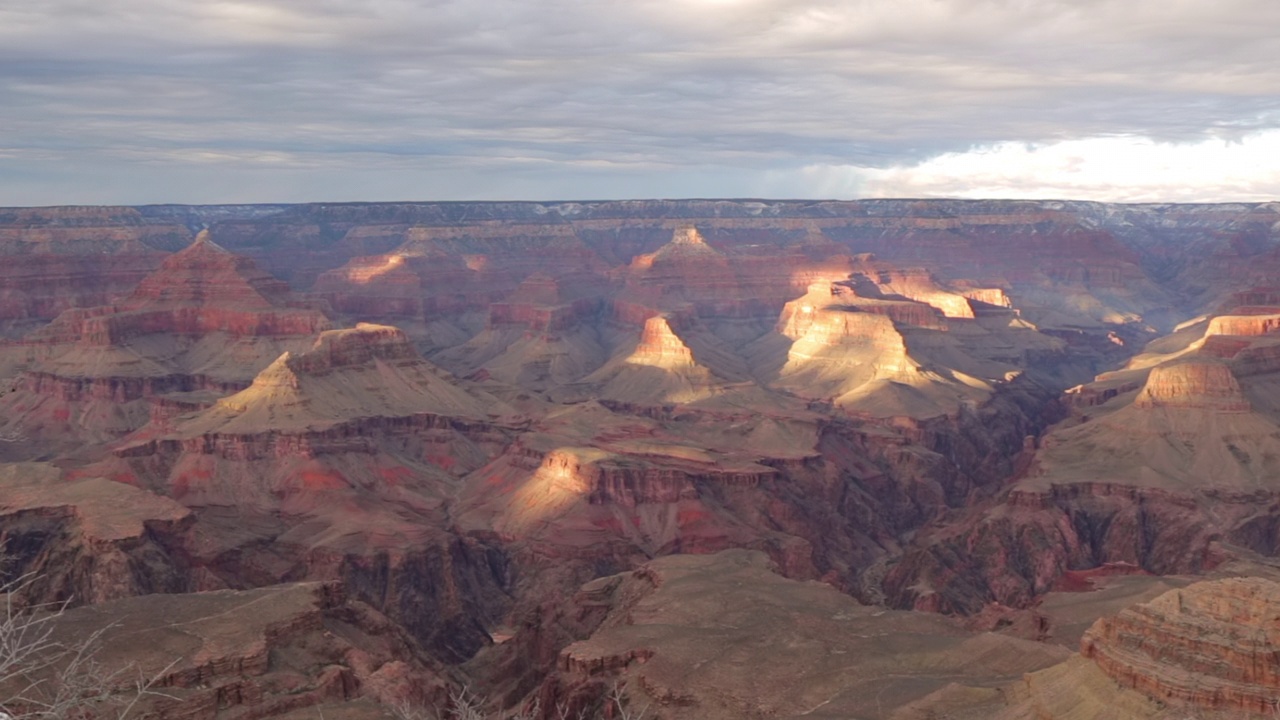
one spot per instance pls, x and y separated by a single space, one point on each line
742 458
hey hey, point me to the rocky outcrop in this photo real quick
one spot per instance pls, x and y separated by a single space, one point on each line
1213 646
336 461
368 373
201 290
86 540
630 481
1193 384
443 270
262 653
1265 321
660 346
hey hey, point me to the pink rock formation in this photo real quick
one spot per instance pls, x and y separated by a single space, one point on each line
1213 645
56 259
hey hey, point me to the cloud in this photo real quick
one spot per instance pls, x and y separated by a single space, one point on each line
1128 169
573 98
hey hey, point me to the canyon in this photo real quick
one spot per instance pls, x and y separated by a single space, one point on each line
730 458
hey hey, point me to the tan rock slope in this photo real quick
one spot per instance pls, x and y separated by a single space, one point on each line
1204 650
722 636
335 463
261 653
370 371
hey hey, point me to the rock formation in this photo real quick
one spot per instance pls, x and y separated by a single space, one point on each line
203 322
1158 462
1214 645
1201 385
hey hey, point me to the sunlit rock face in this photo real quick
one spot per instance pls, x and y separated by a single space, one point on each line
1159 463
1213 646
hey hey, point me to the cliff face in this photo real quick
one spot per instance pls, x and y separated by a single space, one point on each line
339 460
62 258
1015 551
1214 645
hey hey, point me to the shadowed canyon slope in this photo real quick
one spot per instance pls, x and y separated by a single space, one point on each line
547 448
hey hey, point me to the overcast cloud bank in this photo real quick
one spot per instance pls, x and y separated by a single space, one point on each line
133 101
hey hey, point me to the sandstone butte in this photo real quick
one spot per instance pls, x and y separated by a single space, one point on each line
1212 645
882 459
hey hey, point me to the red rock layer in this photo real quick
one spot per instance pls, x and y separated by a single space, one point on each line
447 269
633 481
56 259
1213 645
200 290
549 305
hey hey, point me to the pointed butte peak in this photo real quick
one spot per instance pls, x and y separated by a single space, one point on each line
204 243
687 235
659 345
686 242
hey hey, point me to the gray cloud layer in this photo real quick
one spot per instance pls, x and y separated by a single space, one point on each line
278 100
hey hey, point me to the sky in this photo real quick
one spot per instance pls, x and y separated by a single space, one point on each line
151 101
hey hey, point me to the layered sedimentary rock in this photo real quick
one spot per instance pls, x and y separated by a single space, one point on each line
543 335
87 539
1213 645
658 368
369 373
883 355
1202 384
336 463
203 322
62 258
1158 463
439 272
